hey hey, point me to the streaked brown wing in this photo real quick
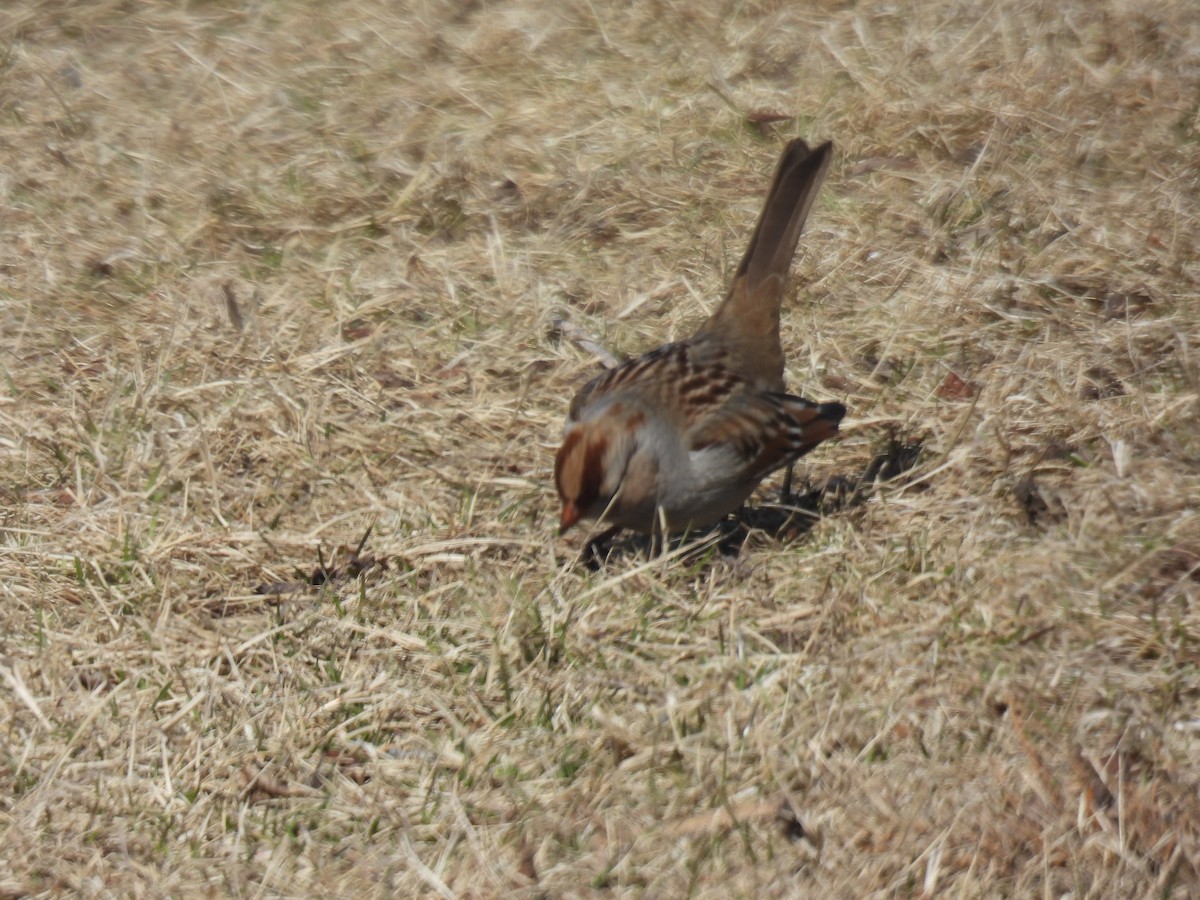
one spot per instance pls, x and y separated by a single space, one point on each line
768 430
687 389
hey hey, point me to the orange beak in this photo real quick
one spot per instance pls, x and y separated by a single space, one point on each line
570 515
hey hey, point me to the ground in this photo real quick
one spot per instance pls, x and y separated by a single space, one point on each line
275 277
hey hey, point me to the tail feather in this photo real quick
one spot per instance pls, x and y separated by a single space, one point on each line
789 200
776 234
746 323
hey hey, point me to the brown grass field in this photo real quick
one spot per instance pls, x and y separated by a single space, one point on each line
276 275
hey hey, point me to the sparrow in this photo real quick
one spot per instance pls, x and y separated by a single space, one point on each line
678 438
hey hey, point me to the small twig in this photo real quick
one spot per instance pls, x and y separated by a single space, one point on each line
231 306
585 341
366 534
327 573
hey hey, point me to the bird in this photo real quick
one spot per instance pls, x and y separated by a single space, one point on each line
678 438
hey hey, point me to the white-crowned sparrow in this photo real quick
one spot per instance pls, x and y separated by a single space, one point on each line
681 436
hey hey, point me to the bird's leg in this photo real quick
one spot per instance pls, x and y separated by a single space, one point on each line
591 550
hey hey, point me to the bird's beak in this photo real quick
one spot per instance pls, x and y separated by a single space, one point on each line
570 515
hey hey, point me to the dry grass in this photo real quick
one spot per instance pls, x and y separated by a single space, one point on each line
273 272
